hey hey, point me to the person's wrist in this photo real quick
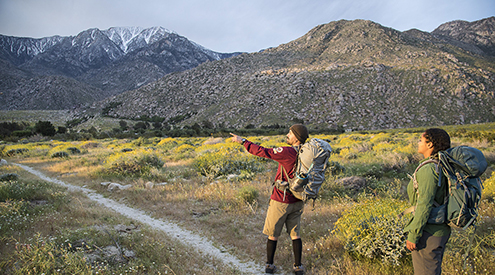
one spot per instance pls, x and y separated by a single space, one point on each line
243 140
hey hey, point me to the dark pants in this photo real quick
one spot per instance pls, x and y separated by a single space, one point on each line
427 259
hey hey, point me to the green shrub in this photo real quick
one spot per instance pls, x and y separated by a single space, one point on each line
367 170
74 150
16 211
184 148
137 163
219 163
13 215
60 154
14 152
21 190
489 184
335 168
348 153
9 177
45 257
247 194
373 230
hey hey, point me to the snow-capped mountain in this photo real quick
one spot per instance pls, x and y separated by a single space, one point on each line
130 38
111 61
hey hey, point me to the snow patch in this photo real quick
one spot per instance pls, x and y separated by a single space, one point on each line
125 36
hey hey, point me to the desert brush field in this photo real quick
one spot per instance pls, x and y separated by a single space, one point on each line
212 188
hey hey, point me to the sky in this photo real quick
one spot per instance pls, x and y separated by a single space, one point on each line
229 25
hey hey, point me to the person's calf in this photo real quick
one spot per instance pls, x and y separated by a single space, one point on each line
297 249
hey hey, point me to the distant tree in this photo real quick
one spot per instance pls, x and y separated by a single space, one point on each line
207 124
61 130
123 125
45 128
166 126
157 119
196 128
93 131
157 125
141 125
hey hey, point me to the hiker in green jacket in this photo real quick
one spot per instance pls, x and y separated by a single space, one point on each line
427 241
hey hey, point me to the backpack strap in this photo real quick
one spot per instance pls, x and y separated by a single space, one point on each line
287 185
415 182
416 186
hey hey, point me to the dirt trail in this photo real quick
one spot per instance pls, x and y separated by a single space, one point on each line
204 246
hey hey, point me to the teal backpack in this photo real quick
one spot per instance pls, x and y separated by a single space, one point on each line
462 166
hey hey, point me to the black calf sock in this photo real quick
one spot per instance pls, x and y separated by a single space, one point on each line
271 246
297 248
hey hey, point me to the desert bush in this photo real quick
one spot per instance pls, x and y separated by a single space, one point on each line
348 153
372 229
15 209
73 150
350 140
380 137
470 251
12 215
184 151
9 177
137 163
43 256
374 170
335 168
90 145
247 194
14 152
219 163
394 161
60 154
169 143
22 190
383 147
489 184
408 150
62 149
184 148
362 147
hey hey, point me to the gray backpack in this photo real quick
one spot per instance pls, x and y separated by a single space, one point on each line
309 172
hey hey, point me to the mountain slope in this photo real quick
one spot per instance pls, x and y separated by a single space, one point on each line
345 74
478 34
103 62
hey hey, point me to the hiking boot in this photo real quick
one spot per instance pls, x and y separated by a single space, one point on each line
299 270
270 268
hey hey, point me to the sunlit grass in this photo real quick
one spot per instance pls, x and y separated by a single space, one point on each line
214 188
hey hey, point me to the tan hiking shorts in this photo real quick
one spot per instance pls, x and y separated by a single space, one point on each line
279 214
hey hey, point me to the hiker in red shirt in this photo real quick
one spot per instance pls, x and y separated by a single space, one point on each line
284 208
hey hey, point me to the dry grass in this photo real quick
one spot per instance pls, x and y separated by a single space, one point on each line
80 216
212 208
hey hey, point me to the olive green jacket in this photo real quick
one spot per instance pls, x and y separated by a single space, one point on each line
428 191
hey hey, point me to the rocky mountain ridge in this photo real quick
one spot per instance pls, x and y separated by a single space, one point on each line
479 35
106 62
346 74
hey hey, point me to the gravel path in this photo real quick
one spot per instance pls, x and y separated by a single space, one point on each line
204 246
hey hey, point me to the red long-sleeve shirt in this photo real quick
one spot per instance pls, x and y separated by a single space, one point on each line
285 156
